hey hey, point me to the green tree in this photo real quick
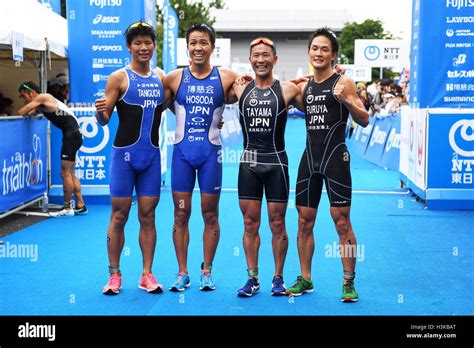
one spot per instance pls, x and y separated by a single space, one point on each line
188 12
369 29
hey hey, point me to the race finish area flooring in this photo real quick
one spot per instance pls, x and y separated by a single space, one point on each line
410 260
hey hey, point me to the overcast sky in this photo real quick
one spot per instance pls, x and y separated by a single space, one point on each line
396 14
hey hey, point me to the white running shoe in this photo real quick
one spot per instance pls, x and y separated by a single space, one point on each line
62 213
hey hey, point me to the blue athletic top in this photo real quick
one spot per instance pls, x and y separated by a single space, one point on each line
199 106
139 111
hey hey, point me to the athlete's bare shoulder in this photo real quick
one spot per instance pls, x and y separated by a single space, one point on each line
226 72
173 79
161 73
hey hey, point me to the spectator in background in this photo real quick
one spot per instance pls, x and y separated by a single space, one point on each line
6 107
390 105
59 88
383 88
363 95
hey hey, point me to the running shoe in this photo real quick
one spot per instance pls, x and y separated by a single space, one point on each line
251 287
62 213
349 293
150 284
278 286
300 287
114 285
81 211
182 282
206 282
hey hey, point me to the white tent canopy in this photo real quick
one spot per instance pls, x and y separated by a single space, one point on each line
36 22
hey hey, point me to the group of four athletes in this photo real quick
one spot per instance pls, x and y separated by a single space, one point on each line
197 94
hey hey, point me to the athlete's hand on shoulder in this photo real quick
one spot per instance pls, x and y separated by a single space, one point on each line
243 79
339 69
101 104
220 125
298 80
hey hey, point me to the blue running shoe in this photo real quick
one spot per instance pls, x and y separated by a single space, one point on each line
182 282
278 286
206 283
250 288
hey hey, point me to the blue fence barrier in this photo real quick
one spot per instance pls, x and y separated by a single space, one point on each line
23 160
379 142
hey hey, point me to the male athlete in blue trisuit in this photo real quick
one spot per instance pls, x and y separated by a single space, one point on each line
327 99
199 93
138 94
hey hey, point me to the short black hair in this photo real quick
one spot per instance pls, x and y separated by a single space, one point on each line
203 27
326 32
139 29
29 86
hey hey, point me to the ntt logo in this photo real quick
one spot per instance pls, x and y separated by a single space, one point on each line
372 52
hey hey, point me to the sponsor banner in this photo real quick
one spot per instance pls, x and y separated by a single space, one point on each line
361 136
391 151
376 144
97 45
18 40
170 37
170 58
93 160
382 53
97 48
451 151
358 73
382 144
407 115
442 64
23 162
419 151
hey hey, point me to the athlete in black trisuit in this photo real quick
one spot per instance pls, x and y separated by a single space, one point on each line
264 163
327 99
63 118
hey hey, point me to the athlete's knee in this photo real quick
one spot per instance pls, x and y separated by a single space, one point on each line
181 217
305 224
277 225
251 224
65 173
147 219
343 225
119 218
210 217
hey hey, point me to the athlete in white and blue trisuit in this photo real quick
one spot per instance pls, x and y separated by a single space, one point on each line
138 94
199 93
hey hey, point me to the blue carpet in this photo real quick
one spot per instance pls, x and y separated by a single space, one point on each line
412 261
